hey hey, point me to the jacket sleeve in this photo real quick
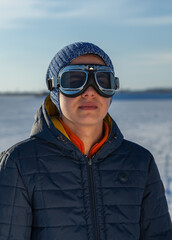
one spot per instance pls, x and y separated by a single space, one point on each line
155 219
15 207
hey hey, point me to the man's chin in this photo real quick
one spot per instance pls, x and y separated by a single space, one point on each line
89 121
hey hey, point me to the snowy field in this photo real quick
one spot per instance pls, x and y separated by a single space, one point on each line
147 122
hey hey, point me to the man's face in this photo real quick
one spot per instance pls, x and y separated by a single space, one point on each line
89 108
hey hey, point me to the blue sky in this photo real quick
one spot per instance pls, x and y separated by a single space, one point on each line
136 34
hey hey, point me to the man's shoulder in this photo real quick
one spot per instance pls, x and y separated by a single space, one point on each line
136 152
24 155
22 149
133 146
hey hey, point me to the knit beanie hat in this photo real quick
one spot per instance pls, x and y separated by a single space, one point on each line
65 56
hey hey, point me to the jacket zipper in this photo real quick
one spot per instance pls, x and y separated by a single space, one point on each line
93 198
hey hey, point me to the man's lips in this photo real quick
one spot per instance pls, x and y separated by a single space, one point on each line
88 106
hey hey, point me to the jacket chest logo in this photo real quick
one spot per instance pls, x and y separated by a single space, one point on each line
123 177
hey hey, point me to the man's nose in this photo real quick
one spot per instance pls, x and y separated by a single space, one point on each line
89 92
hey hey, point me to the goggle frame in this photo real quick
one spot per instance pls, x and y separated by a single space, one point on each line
55 82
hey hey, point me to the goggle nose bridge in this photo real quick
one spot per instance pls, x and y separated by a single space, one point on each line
91 80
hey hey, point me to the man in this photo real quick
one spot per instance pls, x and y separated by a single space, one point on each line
76 177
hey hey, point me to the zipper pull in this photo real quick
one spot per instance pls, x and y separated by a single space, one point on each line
90 162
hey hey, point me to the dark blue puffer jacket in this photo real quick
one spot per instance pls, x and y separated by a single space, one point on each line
50 191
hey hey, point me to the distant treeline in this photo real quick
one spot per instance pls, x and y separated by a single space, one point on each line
122 91
43 93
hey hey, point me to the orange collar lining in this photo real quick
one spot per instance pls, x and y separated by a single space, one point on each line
78 143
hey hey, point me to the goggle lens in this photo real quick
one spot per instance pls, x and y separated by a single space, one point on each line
73 79
105 80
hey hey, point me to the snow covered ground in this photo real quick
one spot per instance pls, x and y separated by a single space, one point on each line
147 122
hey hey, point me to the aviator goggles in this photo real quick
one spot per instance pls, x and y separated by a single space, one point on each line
73 80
